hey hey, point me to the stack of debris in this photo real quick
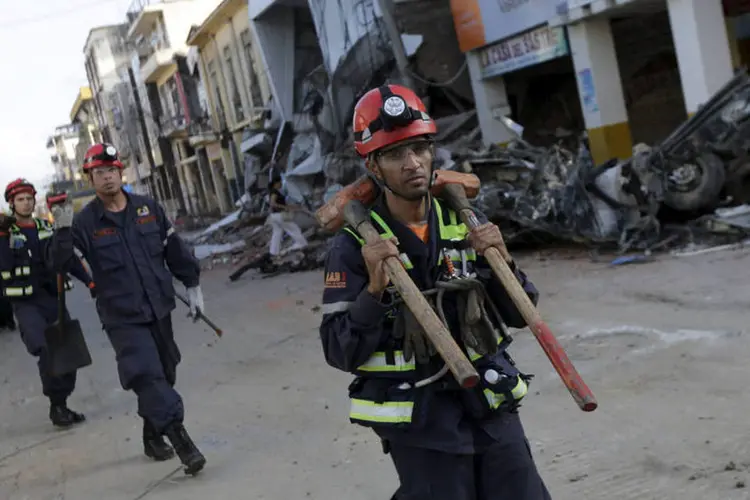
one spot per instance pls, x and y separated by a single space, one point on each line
534 193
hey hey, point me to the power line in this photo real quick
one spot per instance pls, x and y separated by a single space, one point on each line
53 15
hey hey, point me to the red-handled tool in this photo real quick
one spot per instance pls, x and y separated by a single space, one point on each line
455 195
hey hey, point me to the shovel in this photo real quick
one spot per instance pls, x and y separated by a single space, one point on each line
66 345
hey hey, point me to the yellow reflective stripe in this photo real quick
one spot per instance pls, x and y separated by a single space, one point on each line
18 291
356 236
518 392
387 233
392 412
378 363
6 275
474 355
452 231
23 271
43 235
406 261
455 255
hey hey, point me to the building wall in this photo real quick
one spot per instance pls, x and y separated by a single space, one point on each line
213 59
439 56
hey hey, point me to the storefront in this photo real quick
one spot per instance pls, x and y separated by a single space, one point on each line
520 68
644 66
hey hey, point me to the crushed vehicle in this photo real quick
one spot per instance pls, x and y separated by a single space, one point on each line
705 159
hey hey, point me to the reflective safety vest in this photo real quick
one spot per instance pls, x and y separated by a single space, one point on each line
18 281
390 398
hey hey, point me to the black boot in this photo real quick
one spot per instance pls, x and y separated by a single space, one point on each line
154 445
190 456
62 416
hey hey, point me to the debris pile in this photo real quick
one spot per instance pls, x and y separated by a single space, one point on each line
536 194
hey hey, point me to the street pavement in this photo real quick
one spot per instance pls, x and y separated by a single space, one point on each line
664 346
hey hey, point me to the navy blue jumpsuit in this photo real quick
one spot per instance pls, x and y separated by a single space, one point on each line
444 442
133 256
30 283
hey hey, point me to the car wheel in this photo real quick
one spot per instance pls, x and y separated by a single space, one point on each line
695 185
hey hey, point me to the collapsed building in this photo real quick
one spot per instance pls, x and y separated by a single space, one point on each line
543 185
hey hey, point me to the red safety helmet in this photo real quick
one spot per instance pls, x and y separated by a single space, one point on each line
16 187
101 155
387 115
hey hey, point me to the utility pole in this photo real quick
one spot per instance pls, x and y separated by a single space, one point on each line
144 128
387 8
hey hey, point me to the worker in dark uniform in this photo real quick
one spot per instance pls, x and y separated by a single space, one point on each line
446 443
29 283
133 252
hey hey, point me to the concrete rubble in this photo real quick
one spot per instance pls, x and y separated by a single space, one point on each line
668 196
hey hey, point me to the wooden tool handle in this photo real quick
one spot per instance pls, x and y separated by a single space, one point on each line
464 372
576 386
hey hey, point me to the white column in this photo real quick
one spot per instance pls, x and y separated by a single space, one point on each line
600 89
490 98
702 46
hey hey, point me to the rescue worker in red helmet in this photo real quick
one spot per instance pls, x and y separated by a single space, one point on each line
134 252
446 443
30 284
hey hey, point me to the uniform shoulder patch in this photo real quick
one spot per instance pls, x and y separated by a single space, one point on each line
335 280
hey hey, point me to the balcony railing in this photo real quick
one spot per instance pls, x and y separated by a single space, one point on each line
201 126
137 6
172 124
71 130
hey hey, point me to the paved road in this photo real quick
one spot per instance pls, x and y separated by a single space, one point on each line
663 345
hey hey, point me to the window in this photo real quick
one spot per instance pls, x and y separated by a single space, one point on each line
174 98
213 78
247 47
232 87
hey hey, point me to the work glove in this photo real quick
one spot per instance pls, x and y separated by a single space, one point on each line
195 302
6 221
63 214
416 343
477 331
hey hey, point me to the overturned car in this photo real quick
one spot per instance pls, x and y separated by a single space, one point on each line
704 160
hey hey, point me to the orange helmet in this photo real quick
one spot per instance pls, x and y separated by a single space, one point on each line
387 115
18 186
101 155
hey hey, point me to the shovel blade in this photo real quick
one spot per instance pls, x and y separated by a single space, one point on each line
67 347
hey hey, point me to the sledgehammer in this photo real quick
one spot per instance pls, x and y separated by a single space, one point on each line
455 195
357 216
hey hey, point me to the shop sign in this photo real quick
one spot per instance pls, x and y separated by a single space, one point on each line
530 48
481 22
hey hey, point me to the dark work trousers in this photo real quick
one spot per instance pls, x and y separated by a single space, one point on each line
147 359
6 313
34 315
502 469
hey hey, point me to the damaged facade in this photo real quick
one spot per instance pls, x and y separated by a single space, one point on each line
543 100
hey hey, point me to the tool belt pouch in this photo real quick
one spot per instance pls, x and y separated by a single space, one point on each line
382 403
505 395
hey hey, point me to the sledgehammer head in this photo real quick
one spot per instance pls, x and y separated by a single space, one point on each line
331 215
